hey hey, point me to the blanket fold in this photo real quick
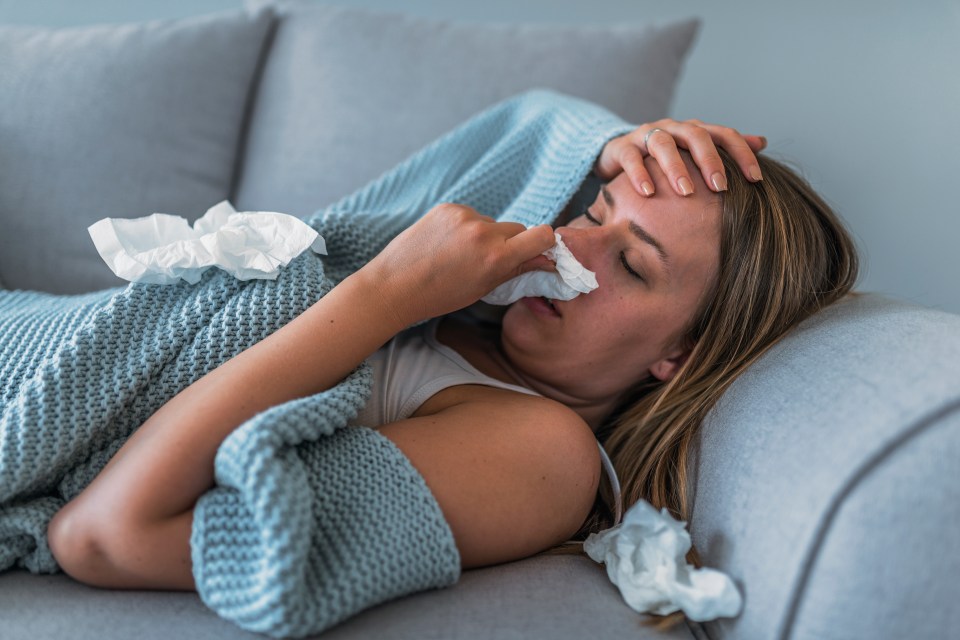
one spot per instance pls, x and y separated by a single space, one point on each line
310 522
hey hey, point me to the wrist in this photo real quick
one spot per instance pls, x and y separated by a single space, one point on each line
386 297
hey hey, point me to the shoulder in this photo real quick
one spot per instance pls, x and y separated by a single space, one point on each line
541 421
513 474
526 413
547 426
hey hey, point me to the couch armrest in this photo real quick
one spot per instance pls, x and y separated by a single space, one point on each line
824 474
881 564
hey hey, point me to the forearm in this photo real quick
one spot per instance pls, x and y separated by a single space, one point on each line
449 258
168 463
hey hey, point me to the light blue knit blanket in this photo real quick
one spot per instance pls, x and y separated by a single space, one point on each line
310 522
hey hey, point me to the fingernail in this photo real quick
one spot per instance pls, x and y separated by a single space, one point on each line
646 188
763 139
685 187
755 173
719 181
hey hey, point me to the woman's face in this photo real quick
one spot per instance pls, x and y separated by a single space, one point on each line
655 258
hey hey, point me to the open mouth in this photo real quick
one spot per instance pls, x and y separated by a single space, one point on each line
551 305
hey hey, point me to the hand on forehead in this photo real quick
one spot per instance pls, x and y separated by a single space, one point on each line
663 182
664 140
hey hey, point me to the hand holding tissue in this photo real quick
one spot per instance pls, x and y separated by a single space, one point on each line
570 280
645 558
163 249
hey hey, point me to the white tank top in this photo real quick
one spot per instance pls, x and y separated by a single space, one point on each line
414 366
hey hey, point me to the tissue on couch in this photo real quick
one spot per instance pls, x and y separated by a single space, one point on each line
163 249
645 558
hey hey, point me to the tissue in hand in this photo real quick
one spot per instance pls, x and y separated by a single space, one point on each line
570 280
163 249
645 558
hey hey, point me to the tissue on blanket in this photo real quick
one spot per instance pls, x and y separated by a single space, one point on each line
569 280
646 558
163 249
79 374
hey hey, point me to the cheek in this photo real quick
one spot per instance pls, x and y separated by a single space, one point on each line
627 319
606 279
609 300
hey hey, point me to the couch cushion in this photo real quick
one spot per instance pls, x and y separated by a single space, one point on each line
827 479
115 121
556 597
347 93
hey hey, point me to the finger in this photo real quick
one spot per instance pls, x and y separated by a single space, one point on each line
540 263
742 148
632 161
663 148
607 166
698 141
756 143
510 229
530 243
739 148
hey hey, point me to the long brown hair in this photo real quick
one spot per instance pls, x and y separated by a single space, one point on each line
784 255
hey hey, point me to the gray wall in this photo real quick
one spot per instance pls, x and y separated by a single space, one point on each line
863 95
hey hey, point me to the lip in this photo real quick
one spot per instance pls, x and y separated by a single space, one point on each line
539 306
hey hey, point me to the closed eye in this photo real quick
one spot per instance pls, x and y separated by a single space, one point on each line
623 256
626 265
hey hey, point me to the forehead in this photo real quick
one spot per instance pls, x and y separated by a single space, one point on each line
688 227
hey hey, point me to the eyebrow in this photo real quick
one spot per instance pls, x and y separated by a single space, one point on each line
639 231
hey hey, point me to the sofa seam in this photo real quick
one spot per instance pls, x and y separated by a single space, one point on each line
697 630
920 426
250 104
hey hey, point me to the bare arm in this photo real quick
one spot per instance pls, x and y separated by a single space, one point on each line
130 528
168 463
513 474
444 262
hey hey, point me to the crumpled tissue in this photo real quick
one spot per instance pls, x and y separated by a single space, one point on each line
570 279
645 559
163 249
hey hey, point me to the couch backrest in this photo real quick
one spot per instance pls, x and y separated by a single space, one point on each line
827 478
115 121
346 94
127 120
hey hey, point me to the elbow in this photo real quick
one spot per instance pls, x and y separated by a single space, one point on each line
79 547
71 543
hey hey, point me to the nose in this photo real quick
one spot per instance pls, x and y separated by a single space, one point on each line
585 243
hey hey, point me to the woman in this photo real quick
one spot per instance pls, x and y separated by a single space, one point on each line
697 278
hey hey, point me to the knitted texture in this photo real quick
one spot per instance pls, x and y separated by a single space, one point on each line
309 522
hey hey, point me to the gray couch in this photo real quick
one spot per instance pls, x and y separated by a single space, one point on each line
824 482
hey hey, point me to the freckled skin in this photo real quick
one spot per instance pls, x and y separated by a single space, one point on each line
617 335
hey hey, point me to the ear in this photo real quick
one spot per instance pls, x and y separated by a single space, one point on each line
665 369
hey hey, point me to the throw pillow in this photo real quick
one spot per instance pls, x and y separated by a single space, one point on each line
115 121
346 93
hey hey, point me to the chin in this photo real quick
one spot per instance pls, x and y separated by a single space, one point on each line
518 327
522 332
